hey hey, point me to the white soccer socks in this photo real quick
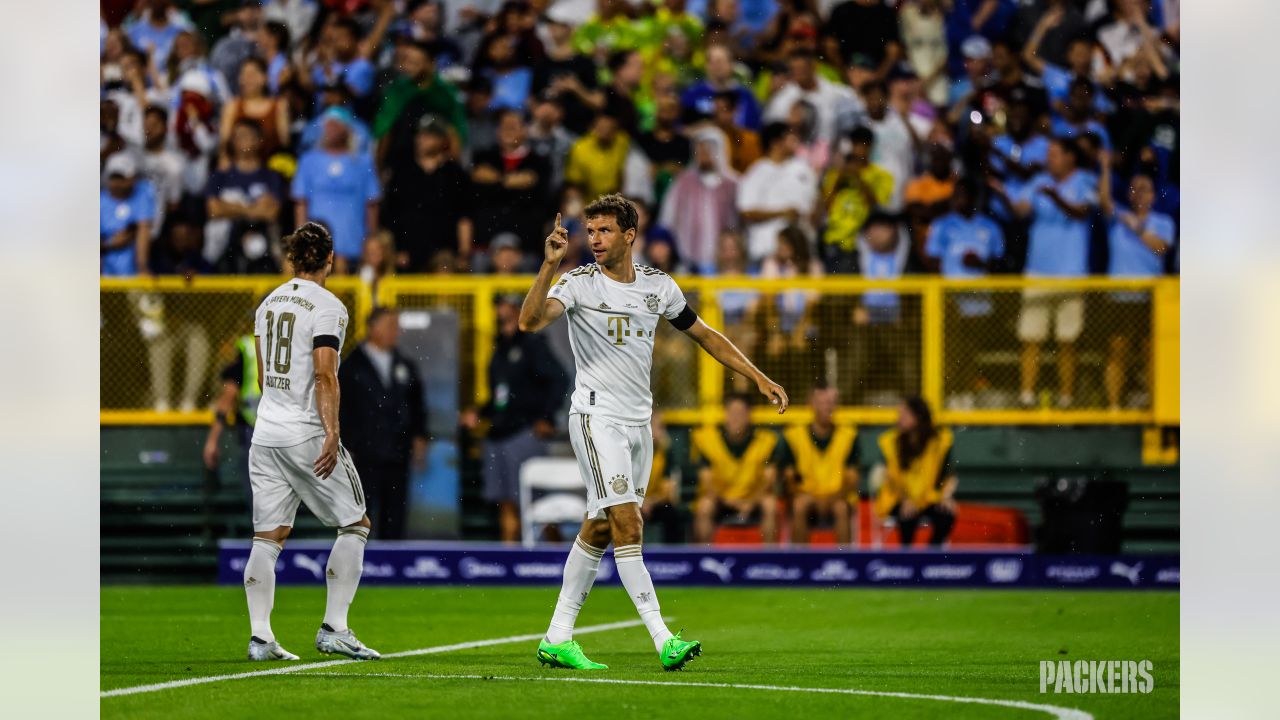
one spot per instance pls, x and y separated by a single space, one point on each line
579 575
635 578
260 586
346 563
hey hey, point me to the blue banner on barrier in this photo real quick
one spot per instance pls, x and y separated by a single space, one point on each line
427 563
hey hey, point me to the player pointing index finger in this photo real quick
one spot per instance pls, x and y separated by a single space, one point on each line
614 306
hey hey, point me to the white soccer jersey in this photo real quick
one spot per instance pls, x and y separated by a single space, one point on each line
611 329
286 325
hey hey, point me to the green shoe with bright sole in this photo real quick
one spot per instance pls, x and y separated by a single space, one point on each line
678 652
568 655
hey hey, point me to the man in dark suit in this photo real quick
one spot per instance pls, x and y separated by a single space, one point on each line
384 421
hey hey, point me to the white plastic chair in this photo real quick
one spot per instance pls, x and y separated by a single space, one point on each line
551 493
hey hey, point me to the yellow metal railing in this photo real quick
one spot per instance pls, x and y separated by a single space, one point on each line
958 343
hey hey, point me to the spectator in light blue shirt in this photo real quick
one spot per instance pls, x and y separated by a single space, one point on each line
1077 116
342 60
1057 79
511 80
336 98
338 186
155 28
1019 154
126 211
964 244
1138 239
1059 203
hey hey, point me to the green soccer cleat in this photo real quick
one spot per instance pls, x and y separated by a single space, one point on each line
677 652
568 655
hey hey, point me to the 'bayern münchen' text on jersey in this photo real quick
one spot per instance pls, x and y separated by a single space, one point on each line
611 328
286 324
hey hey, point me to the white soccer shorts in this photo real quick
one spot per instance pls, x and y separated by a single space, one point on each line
282 477
614 461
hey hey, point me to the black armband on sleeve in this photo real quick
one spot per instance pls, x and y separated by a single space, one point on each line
329 341
685 319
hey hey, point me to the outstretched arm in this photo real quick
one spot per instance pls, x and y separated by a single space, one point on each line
538 311
728 354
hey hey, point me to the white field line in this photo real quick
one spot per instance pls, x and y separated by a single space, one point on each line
1053 710
293 667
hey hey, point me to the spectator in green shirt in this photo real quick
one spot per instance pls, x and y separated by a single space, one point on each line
609 29
416 92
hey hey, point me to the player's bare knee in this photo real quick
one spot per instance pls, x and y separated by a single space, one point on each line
595 533
364 522
626 523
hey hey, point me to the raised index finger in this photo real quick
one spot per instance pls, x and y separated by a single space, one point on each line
557 221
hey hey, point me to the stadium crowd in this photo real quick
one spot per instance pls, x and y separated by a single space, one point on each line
773 138
864 136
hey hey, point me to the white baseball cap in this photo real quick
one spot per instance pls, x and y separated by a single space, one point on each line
975 47
121 164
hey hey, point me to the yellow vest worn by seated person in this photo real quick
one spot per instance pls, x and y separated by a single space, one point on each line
920 481
821 471
735 477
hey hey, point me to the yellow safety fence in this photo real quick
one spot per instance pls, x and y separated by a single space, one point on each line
1091 351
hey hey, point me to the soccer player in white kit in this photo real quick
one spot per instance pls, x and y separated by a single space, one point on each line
296 455
613 308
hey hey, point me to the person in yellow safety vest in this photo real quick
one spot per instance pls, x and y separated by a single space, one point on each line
236 404
920 479
735 479
820 464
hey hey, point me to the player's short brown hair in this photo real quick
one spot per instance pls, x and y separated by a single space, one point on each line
619 207
308 248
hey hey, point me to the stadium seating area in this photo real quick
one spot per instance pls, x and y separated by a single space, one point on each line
759 136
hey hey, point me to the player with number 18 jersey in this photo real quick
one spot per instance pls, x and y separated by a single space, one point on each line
296 456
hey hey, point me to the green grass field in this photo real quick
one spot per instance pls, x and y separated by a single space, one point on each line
962 644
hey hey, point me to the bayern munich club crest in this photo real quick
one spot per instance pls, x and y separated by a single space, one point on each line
619 484
651 302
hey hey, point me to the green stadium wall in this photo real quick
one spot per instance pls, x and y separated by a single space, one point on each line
162 515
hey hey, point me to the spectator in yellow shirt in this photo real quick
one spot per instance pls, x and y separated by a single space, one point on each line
596 160
850 193
820 464
735 480
920 477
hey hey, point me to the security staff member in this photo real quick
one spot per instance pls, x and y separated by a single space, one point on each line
735 479
384 421
527 385
236 405
920 481
820 463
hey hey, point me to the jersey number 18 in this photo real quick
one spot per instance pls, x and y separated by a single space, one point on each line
283 337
